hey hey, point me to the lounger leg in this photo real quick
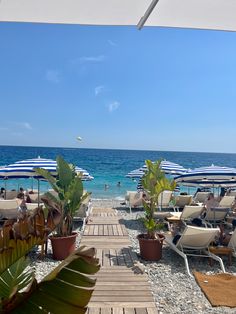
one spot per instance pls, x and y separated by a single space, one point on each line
218 259
185 261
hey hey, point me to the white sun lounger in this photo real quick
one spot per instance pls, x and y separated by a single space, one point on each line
195 239
232 243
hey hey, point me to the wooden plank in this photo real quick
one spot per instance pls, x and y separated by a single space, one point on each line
95 232
132 287
105 230
91 230
115 231
120 278
124 292
129 311
125 232
110 231
100 230
120 230
141 311
106 310
117 298
151 310
93 310
122 304
118 310
106 259
127 257
124 283
86 230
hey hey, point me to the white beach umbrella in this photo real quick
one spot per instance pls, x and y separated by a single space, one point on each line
200 14
26 169
212 176
166 166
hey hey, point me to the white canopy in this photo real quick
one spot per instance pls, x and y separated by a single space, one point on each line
202 14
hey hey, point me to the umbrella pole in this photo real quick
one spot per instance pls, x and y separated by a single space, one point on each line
5 187
38 191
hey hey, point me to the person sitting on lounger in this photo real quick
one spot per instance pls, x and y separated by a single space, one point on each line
211 202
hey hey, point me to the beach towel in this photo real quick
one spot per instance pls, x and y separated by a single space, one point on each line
220 289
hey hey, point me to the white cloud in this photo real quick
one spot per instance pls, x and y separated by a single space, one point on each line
92 59
98 89
113 106
53 76
112 43
27 126
24 125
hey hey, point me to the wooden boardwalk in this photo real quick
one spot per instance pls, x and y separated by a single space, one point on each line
121 287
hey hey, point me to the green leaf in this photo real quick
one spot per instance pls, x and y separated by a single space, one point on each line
15 278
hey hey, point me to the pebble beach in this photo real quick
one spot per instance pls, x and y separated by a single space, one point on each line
174 291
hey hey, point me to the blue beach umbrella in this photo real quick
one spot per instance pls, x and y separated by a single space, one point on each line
166 166
26 169
212 176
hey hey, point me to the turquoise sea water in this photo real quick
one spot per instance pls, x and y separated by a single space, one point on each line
108 166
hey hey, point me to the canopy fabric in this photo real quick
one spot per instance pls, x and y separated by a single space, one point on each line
25 169
209 176
200 14
166 166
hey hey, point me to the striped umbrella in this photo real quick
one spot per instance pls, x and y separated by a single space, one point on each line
166 166
212 176
25 169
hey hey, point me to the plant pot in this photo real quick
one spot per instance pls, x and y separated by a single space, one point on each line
62 247
150 249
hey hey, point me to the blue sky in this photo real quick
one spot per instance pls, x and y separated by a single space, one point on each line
117 87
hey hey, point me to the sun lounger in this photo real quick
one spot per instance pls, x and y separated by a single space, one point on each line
215 215
232 243
164 199
134 200
195 239
201 197
9 209
227 201
189 212
182 200
10 195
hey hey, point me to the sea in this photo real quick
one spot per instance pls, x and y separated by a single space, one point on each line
107 166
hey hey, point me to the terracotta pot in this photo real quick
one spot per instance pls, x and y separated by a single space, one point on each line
150 249
62 247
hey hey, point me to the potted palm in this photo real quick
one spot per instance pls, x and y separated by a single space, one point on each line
66 201
154 182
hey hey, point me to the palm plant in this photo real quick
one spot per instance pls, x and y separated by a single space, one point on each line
69 188
154 182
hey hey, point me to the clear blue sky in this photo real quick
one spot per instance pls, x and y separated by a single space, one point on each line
117 87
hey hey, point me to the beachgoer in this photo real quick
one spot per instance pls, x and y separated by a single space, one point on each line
106 186
21 194
2 193
118 184
211 202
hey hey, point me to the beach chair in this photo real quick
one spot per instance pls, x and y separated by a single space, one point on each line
10 195
189 212
182 200
164 199
232 243
82 214
193 240
134 200
9 209
227 201
32 206
215 215
201 197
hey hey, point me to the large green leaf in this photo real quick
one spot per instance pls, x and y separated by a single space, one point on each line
65 290
15 279
65 173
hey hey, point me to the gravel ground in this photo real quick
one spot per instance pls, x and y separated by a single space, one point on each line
174 291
